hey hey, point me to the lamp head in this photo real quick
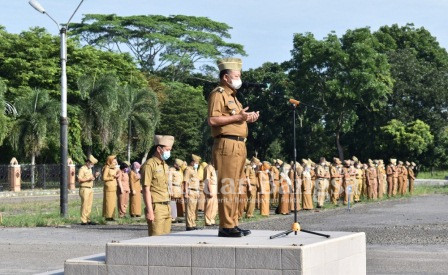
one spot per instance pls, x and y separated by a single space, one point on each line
37 6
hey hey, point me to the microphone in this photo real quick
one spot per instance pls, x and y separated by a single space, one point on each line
295 102
254 85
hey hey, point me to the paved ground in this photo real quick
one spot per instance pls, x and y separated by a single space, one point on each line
406 236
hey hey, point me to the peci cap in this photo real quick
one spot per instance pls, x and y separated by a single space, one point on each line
195 157
230 64
179 162
92 159
280 162
164 140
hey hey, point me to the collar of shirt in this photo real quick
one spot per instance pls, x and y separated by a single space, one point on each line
227 89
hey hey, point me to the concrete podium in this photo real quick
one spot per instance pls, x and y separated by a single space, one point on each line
203 252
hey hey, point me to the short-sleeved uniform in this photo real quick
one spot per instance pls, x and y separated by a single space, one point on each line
154 176
85 192
229 153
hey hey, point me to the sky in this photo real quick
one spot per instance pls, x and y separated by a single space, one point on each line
265 28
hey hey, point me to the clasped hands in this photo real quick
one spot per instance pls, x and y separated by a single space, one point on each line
249 116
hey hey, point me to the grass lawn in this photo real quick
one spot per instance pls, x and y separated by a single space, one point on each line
439 174
46 213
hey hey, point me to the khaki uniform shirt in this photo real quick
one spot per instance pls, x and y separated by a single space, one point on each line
411 173
85 173
250 174
175 182
191 178
275 173
210 178
135 183
336 172
154 175
223 102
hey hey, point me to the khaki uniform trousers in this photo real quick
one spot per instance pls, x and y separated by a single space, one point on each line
162 220
358 189
335 188
298 196
201 199
191 206
242 203
380 187
109 199
411 186
136 204
123 201
211 209
321 186
394 191
372 189
251 198
275 192
264 207
347 196
229 157
390 186
86 195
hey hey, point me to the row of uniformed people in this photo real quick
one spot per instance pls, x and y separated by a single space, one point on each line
351 181
121 187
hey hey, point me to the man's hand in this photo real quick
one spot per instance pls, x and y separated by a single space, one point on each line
249 116
149 216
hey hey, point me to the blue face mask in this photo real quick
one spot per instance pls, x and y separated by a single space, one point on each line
196 166
166 155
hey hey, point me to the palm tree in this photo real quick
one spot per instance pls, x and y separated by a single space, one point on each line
142 115
5 108
36 122
99 105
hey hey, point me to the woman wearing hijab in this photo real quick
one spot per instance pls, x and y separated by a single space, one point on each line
136 191
123 189
265 188
110 175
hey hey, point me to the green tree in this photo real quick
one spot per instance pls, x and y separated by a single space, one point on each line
36 124
408 140
341 76
140 111
183 115
170 44
4 109
99 106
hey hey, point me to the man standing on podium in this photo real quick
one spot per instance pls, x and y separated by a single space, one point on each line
228 121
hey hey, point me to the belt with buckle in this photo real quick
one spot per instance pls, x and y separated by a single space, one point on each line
162 202
85 187
237 138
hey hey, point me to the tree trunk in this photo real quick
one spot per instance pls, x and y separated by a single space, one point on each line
144 157
129 141
33 162
338 144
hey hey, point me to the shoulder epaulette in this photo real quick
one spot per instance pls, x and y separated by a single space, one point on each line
218 89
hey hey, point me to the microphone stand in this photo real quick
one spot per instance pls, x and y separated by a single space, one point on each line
295 226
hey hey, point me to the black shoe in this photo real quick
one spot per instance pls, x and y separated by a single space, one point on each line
229 232
192 228
83 223
92 223
110 219
244 231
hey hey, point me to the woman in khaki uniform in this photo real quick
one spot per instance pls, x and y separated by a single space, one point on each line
307 185
285 183
110 175
299 171
123 189
211 195
155 187
136 191
265 188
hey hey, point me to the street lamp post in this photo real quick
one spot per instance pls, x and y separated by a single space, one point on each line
64 119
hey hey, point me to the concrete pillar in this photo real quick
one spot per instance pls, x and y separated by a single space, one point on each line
71 174
14 175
